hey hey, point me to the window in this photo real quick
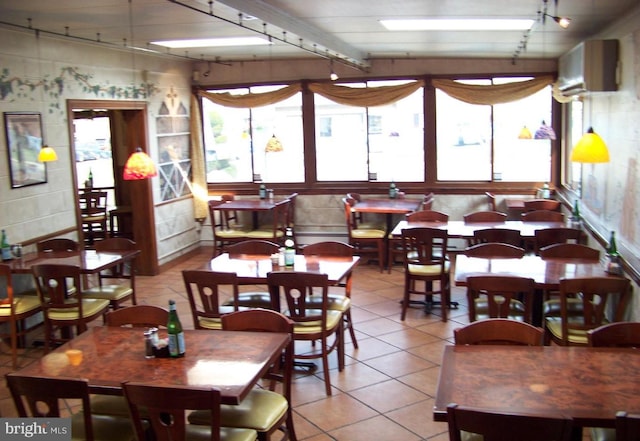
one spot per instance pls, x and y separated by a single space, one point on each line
575 130
236 140
480 142
384 143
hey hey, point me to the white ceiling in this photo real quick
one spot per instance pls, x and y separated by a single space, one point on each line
344 29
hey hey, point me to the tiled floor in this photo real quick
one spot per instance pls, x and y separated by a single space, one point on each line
387 389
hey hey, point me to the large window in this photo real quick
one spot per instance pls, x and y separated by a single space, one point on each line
383 143
236 140
481 142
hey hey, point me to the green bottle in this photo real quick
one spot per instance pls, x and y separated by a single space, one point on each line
176 335
89 183
263 191
576 212
612 249
6 249
392 190
613 266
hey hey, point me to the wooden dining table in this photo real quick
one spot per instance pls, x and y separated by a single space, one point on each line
255 206
389 207
230 361
89 261
587 384
465 230
546 273
253 268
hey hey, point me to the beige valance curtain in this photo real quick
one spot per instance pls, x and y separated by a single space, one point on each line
492 94
198 173
251 100
365 96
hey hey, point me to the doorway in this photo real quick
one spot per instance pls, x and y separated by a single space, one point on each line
102 136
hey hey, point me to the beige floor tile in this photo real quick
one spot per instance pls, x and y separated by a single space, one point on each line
336 411
388 395
378 428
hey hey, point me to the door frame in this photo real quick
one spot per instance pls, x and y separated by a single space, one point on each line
140 192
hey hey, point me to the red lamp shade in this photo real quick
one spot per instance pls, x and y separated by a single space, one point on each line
139 166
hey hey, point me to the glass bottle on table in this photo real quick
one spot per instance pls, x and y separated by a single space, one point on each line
176 334
613 264
392 190
4 245
289 248
263 191
575 215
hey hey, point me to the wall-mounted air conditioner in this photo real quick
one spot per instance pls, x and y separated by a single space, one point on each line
589 67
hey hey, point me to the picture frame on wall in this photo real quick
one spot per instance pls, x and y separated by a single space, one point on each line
24 140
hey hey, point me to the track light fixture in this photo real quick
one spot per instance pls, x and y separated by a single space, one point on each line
333 75
563 22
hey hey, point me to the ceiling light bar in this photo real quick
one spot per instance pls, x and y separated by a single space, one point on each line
458 24
213 42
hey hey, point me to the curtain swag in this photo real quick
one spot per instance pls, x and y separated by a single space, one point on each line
365 96
251 100
492 94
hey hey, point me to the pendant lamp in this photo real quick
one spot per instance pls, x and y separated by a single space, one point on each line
590 149
525 133
47 154
139 166
273 145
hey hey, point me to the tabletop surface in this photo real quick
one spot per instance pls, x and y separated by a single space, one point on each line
545 272
588 384
253 268
389 206
89 261
230 361
460 229
250 204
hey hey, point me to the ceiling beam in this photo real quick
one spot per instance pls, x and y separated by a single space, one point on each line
337 48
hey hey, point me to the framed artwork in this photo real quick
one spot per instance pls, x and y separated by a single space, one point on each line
24 140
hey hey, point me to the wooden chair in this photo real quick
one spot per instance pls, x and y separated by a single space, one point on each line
550 236
569 251
225 230
491 201
125 273
204 290
62 311
542 216
427 216
497 235
365 241
253 298
137 316
485 216
627 426
338 302
617 334
275 230
313 322
14 312
425 261
93 214
493 426
43 400
551 305
359 220
541 204
166 409
593 294
500 297
499 331
58 244
496 250
265 411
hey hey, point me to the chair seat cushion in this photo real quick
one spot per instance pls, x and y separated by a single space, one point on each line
576 336
90 307
603 434
22 304
108 292
231 234
427 270
335 302
251 299
313 327
552 306
365 233
203 433
516 309
264 234
260 410
107 428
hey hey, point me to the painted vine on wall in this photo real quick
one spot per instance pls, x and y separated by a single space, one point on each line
14 87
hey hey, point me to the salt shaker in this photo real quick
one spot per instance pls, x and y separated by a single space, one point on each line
148 344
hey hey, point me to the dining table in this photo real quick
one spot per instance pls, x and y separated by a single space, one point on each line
587 384
253 268
231 361
255 206
388 207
